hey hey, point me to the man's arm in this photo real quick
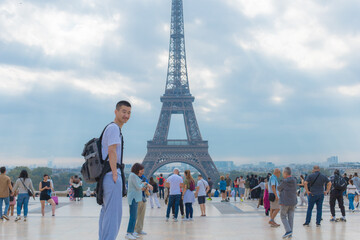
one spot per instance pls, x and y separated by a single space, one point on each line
307 188
112 161
328 187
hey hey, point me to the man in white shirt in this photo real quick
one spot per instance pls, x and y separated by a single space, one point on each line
111 211
201 190
174 182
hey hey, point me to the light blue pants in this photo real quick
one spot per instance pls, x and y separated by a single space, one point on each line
111 211
23 199
7 204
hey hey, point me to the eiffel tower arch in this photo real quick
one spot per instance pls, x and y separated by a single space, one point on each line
178 100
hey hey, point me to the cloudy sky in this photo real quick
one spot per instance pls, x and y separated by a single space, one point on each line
274 80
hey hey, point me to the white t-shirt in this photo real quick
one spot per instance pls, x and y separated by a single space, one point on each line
202 184
175 181
356 181
111 136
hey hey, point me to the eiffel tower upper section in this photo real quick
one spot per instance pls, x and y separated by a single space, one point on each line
177 98
177 83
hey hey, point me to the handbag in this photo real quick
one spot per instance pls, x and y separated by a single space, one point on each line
28 190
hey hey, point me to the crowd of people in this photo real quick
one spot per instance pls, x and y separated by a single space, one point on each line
179 190
20 193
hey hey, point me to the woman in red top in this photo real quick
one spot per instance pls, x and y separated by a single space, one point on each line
236 188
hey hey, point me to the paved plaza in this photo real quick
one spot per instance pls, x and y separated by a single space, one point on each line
234 220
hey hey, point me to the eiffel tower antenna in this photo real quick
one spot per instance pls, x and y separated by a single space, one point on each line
178 100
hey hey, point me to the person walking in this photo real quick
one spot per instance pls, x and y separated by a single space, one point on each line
302 191
77 186
210 188
12 203
174 182
228 187
247 187
274 197
188 195
23 186
288 201
201 189
5 188
161 181
222 187
315 184
351 193
153 194
45 195
241 188
266 197
261 185
356 181
236 188
134 196
139 226
112 144
338 186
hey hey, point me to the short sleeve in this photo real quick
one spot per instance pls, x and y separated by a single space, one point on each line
308 178
181 180
113 135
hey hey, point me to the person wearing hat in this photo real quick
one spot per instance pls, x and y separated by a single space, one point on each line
174 182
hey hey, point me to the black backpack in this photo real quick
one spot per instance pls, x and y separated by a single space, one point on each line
92 169
340 183
161 181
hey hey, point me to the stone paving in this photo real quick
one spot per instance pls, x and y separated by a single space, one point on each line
234 220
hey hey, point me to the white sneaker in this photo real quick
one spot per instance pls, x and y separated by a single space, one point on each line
185 219
167 219
191 219
135 234
142 233
129 236
17 218
175 220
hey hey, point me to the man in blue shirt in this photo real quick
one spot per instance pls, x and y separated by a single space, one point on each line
314 186
274 205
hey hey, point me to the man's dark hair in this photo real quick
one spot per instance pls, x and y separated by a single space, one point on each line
3 169
45 175
23 174
161 175
209 178
336 172
355 174
122 103
136 168
200 175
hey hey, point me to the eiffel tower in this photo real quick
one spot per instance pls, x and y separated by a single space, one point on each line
178 100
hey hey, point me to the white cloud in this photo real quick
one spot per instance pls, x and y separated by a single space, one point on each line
252 8
56 32
17 81
280 92
296 33
352 91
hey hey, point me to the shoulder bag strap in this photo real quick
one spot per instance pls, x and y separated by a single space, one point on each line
314 180
100 139
24 185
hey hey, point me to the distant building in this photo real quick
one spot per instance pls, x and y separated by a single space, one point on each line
225 165
332 160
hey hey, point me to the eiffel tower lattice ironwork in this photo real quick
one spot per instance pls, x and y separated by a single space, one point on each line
178 100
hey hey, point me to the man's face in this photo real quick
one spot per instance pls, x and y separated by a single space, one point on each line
123 114
227 175
284 174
